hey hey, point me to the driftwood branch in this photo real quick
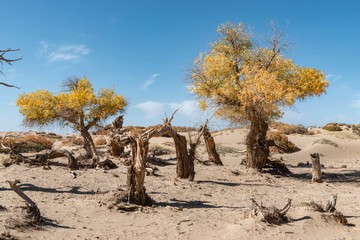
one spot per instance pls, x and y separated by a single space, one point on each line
33 210
40 158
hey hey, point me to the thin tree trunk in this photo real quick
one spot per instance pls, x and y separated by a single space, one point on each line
316 168
210 146
256 143
90 148
136 172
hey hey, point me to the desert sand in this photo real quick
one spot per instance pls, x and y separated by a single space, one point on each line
215 206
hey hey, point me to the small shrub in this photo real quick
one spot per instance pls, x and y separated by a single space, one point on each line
29 143
332 127
74 140
221 149
325 141
100 141
289 129
158 150
281 140
41 140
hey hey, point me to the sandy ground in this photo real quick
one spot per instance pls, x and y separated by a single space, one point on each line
215 206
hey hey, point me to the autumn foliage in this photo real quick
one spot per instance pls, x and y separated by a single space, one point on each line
78 106
244 82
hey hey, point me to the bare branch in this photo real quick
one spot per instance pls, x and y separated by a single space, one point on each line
2 143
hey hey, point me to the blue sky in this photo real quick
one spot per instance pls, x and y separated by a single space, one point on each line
144 47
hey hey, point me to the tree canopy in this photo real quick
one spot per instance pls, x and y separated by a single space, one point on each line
78 106
246 82
239 77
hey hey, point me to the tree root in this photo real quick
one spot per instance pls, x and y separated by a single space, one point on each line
330 208
271 215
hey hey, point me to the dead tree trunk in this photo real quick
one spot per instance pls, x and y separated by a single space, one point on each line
117 149
72 163
89 146
33 210
136 172
256 144
210 146
140 146
316 168
41 158
184 165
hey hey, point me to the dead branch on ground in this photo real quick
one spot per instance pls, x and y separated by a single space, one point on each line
33 212
271 215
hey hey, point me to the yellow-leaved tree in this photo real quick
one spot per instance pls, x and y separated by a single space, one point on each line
78 106
248 83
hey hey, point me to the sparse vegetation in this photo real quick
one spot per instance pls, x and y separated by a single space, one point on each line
289 129
100 141
332 127
325 141
221 149
30 143
281 140
73 140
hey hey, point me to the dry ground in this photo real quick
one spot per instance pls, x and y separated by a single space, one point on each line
215 206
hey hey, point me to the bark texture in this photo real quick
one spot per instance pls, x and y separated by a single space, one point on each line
256 144
89 146
316 168
210 146
184 165
136 172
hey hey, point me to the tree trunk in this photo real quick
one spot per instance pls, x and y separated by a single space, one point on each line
90 147
136 172
316 168
256 143
185 166
210 146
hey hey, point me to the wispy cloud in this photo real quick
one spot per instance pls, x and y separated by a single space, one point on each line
63 53
150 81
151 109
188 107
333 77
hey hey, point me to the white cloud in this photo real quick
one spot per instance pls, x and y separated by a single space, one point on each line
188 107
64 52
44 48
150 81
332 77
151 109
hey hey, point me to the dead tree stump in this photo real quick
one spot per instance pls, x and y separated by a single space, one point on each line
184 165
316 168
210 146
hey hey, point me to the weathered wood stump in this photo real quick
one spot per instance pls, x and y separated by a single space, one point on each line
210 146
316 168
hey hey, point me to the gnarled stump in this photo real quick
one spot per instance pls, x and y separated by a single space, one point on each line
316 168
136 172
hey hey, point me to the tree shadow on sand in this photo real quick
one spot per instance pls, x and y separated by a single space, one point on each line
190 204
30 187
343 176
